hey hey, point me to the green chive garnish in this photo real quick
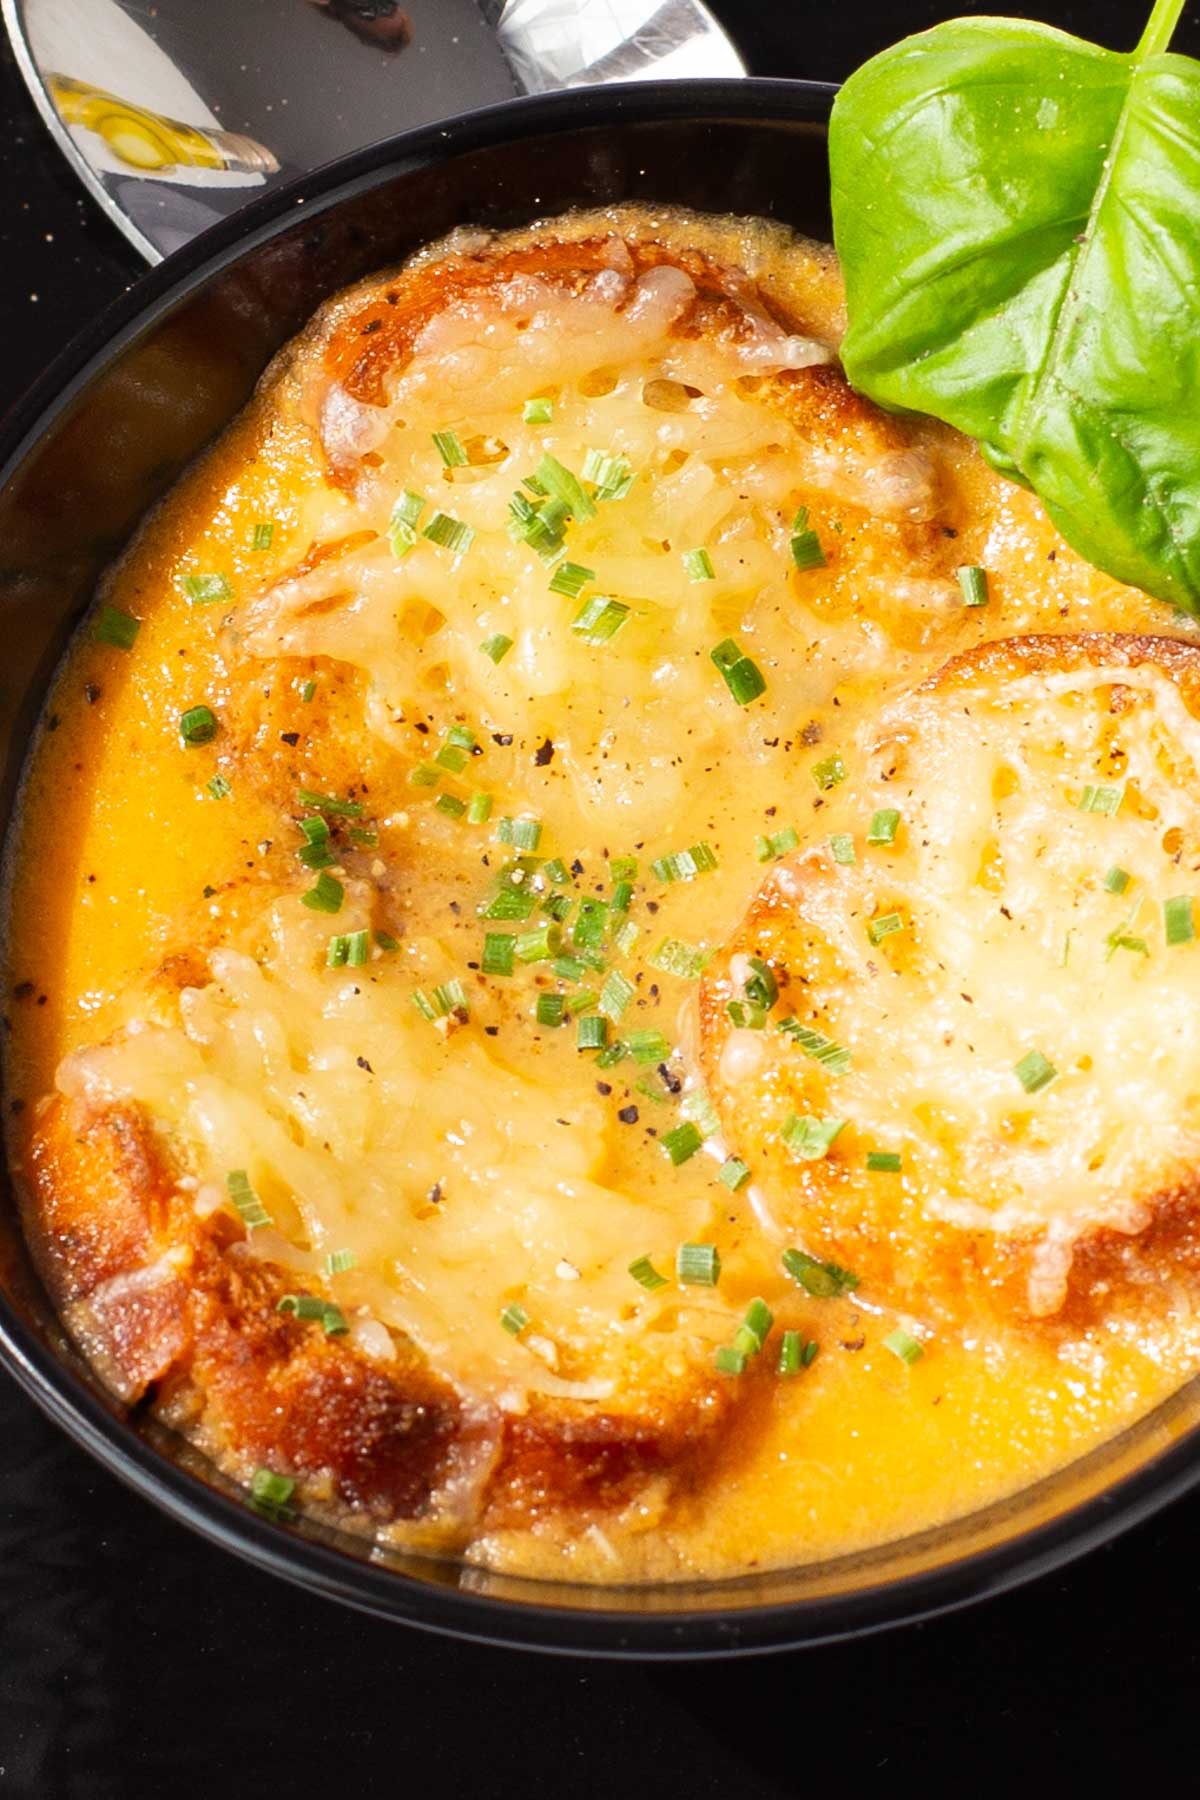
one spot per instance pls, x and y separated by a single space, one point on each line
1178 922
809 1138
973 583
805 544
884 1162
523 834
832 1056
1105 800
777 843
683 865
698 565
646 1275
1034 1072
744 679
904 1345
599 619
514 1319
498 951
698 1265
729 1361
117 628
449 533
198 725
250 1208
1116 881
824 1281
882 829
734 1173
496 648
615 995
677 958
842 847
479 811
328 803
339 1261
570 579
828 772
449 449
550 1009
448 997
204 590
647 1045
878 929
451 805
348 950
591 1033
326 896
264 535
219 788
270 1494
537 412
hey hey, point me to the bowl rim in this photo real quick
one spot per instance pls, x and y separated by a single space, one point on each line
97 1425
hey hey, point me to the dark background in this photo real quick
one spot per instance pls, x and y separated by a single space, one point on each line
136 1660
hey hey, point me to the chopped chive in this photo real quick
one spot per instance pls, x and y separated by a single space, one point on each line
828 772
550 1009
904 1345
329 803
734 1173
1034 1072
647 1044
627 935
1178 923
308 690
646 1275
198 725
809 1138
1116 881
832 1056
878 929
611 474
599 619
562 485
1105 800
622 868
556 871
448 997
499 948
582 1000
315 853
386 941
263 536
361 835
682 1142
884 1162
973 584
537 412
591 1033
204 590
219 788
755 1328
698 1265
729 1361
308 1306
615 995
558 906
697 1106
497 647
760 985
882 829
698 565
824 1281
775 844
744 679
570 579
326 896
270 1494
841 845
609 1058
250 1208
339 1261
116 628
425 774
407 510
514 1319
677 958
683 865
622 897
347 950
449 448
509 902
452 757
791 1353
449 533
805 544
591 925
451 805
523 834
541 945
479 810
568 968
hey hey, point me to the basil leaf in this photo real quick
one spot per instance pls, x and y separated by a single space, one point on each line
1016 213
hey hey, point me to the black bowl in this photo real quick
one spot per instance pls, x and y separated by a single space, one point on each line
103 435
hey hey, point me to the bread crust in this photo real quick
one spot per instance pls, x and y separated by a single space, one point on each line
905 1254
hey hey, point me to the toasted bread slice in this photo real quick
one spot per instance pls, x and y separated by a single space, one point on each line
1002 989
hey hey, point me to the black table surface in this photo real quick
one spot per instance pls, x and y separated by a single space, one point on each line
136 1660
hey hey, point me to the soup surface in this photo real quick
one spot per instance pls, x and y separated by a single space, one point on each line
575 996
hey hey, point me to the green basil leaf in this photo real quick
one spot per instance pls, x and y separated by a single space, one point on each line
1016 213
